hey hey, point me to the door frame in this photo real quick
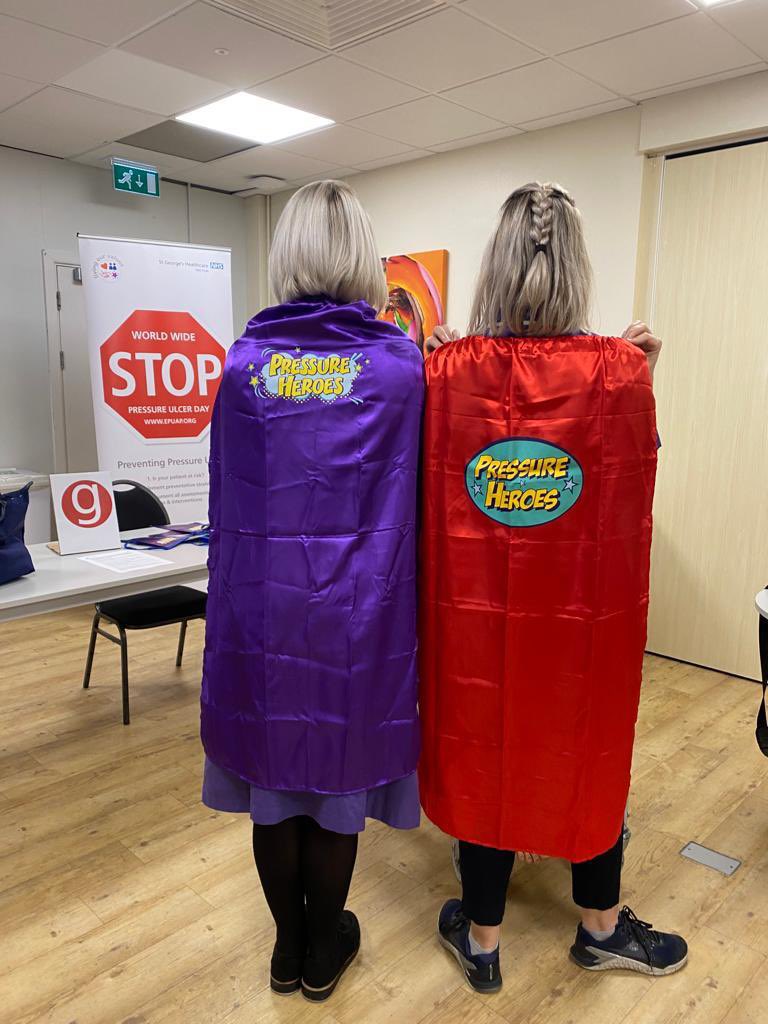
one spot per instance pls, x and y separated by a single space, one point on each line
52 260
647 255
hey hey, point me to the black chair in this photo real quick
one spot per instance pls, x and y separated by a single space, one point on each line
137 509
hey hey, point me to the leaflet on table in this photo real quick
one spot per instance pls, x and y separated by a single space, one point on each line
188 528
125 561
188 533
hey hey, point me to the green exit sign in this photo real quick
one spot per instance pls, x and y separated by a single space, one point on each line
137 178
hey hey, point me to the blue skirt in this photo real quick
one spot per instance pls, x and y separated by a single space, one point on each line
395 804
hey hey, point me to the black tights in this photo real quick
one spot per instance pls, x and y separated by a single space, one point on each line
305 872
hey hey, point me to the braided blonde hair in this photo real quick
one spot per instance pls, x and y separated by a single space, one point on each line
535 277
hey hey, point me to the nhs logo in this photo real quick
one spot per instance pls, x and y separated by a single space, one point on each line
216 266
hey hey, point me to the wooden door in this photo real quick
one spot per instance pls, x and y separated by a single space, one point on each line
710 305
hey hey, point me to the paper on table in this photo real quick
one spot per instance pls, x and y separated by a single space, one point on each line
125 561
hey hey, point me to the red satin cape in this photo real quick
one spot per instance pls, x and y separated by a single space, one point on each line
533 608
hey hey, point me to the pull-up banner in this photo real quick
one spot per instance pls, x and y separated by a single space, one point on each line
159 318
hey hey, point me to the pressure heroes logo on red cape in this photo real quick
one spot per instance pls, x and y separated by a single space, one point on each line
523 481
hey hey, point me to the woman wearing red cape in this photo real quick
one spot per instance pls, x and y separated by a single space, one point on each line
539 467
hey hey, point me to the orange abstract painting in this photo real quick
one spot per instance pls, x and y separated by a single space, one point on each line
417 285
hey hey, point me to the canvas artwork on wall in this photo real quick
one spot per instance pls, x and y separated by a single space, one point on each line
417 289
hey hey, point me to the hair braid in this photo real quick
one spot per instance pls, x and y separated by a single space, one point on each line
535 277
541 215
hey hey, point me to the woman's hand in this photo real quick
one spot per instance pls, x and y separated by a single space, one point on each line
443 334
639 333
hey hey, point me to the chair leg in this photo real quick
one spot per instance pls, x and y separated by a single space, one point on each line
182 638
91 649
124 673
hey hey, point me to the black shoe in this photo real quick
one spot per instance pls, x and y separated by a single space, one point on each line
633 946
482 972
321 975
285 973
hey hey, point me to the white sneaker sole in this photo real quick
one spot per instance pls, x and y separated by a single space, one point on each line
623 963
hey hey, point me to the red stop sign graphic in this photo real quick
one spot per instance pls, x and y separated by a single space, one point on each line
86 503
161 372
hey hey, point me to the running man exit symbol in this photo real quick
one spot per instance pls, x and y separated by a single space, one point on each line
140 179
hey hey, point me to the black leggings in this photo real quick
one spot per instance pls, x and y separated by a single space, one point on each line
485 874
305 872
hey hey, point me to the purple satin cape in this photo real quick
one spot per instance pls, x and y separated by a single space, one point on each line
309 678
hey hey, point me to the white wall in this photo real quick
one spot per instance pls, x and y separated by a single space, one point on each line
450 201
735 109
44 202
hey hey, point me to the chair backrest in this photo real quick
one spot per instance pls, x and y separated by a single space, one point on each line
137 507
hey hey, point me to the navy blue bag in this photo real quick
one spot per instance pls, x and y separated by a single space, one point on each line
15 560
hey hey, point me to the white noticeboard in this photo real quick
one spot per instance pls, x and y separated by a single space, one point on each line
84 508
159 317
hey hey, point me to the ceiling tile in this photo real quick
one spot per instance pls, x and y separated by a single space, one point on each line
52 139
234 172
38 54
387 161
168 166
14 89
748 21
426 122
124 78
188 40
337 89
535 91
663 55
91 19
575 115
441 50
476 140
554 26
187 141
66 123
341 144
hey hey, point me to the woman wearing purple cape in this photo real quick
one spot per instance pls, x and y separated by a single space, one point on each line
309 718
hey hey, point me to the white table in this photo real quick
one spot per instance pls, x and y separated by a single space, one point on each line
761 603
65 581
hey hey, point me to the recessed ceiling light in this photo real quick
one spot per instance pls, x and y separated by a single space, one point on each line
715 3
251 117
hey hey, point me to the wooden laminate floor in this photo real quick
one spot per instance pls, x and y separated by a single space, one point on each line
124 901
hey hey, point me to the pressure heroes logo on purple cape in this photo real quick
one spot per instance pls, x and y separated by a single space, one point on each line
299 376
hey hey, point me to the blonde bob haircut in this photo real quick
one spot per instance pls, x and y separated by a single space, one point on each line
324 245
535 278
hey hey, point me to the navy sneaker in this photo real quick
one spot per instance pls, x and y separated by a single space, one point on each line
633 946
481 971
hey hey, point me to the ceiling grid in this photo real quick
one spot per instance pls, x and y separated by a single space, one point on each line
401 79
